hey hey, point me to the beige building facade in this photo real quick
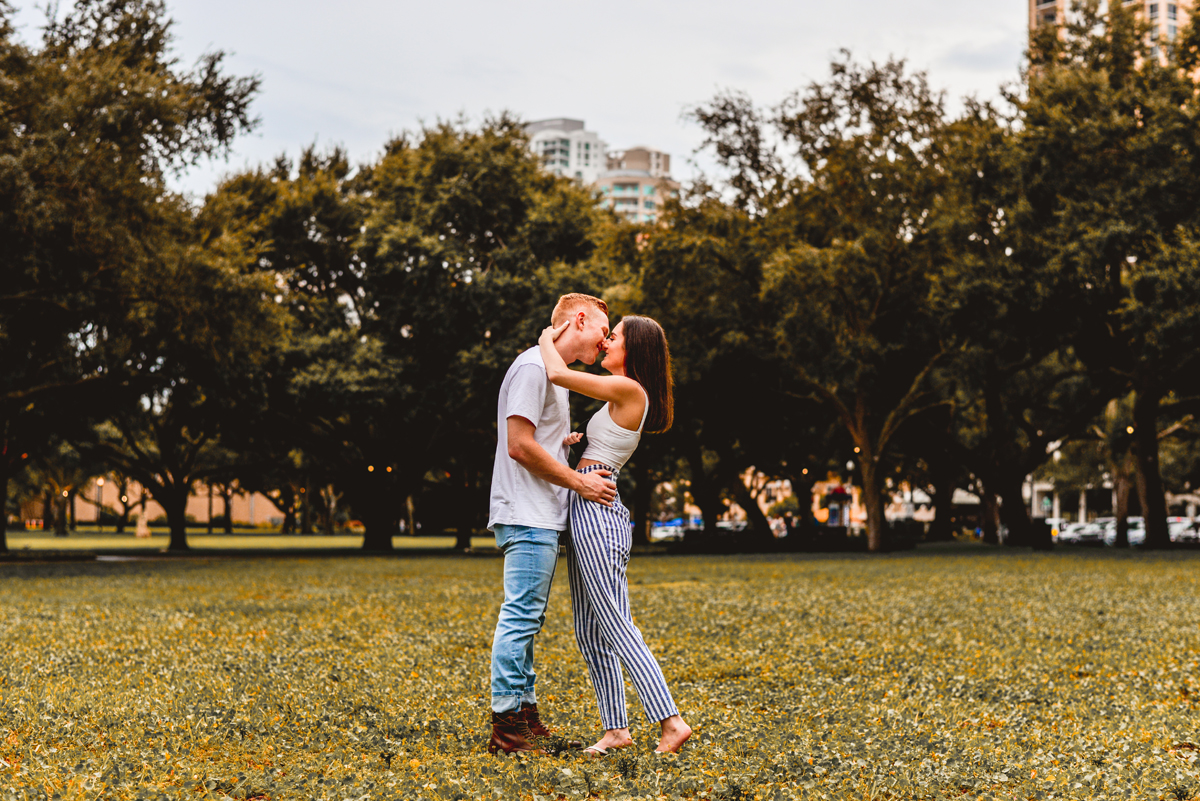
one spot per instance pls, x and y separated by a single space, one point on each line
1166 18
247 509
637 184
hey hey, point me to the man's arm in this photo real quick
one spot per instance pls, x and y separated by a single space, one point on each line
525 450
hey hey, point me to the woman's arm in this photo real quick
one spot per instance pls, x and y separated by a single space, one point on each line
616 389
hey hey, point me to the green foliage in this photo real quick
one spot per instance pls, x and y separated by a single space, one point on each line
411 284
95 116
849 252
1107 159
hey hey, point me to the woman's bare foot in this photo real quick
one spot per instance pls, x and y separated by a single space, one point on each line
674 734
613 738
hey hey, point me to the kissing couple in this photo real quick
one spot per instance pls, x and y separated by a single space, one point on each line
535 495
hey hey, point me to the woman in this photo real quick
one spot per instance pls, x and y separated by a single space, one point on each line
638 395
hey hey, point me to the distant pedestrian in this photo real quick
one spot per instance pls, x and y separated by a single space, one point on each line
531 484
638 396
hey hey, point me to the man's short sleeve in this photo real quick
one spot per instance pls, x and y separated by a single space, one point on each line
527 393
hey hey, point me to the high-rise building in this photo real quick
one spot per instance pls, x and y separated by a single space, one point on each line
655 162
1165 18
566 149
637 183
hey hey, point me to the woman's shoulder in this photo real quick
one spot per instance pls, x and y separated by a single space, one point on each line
628 386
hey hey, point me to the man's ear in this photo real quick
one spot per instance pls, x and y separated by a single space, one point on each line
580 320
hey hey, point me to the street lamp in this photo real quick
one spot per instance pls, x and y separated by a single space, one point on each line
100 504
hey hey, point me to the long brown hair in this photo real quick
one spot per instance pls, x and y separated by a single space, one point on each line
648 362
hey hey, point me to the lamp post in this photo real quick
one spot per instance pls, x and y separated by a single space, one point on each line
850 487
100 504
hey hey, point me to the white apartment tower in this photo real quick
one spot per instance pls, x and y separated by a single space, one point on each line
566 149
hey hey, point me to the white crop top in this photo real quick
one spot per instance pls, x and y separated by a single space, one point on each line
608 443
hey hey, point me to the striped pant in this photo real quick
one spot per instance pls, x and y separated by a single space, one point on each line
604 628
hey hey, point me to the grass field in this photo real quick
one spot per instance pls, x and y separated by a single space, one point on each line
970 673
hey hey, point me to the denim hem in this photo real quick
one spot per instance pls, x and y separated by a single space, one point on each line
505 703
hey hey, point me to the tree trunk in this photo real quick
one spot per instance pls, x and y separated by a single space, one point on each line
306 507
465 522
57 505
123 518
1121 489
704 491
71 510
289 516
873 497
1014 513
759 525
989 512
462 537
227 508
944 482
174 503
1150 484
373 506
4 511
643 492
1041 536
378 535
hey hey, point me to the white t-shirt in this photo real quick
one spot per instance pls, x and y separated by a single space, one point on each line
519 498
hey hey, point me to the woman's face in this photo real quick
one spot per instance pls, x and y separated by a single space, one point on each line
614 351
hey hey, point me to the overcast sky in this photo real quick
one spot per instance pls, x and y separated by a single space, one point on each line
354 72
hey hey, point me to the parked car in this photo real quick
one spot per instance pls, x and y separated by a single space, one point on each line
661 533
1137 532
1183 530
1089 534
1068 533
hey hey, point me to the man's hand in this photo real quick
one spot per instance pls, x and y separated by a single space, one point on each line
596 486
572 438
524 449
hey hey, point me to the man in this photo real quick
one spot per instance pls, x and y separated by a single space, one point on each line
531 482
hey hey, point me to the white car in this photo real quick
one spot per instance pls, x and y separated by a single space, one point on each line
1137 532
1183 530
1069 533
660 533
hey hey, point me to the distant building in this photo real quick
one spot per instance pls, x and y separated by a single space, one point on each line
655 162
1165 19
637 183
566 149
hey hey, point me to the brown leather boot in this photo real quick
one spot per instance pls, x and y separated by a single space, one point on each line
540 729
511 733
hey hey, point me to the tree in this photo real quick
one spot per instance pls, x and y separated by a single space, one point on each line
205 338
699 274
94 118
849 288
1108 161
411 284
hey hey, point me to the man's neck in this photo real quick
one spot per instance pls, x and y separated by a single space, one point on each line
567 351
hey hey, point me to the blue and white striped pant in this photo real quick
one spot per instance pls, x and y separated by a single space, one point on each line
604 628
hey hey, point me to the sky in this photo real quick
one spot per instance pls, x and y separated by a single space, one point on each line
356 72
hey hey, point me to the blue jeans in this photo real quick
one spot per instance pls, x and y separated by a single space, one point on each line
530 556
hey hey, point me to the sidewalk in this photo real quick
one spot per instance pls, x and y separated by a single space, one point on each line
105 542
